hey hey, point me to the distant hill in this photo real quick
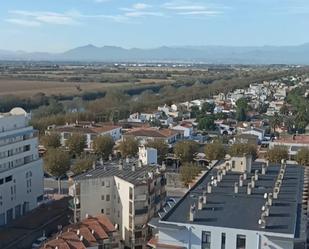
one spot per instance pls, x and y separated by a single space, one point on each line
206 54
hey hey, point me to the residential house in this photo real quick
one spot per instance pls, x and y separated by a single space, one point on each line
88 129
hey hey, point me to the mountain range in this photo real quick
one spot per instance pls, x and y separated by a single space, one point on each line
199 54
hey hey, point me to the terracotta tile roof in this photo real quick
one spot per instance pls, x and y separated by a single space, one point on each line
299 139
85 129
152 132
87 233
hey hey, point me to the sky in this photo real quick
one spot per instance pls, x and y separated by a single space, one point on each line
59 25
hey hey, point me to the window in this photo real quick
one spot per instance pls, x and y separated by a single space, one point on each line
206 238
102 197
102 211
223 238
108 211
130 193
103 184
108 197
8 178
130 207
107 184
241 242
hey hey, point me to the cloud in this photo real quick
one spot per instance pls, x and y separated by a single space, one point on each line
204 13
37 18
142 13
23 22
186 8
141 6
140 10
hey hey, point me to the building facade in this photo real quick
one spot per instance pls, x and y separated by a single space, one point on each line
21 170
128 193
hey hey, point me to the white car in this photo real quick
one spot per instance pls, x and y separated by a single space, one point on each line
39 242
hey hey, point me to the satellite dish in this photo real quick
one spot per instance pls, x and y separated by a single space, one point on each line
18 111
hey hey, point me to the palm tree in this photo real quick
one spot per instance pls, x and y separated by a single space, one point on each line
275 121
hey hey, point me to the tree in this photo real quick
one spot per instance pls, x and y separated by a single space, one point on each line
185 150
241 109
76 144
103 146
128 147
277 153
284 110
275 121
303 156
188 172
240 149
57 163
51 140
195 111
161 147
82 164
208 107
207 123
215 151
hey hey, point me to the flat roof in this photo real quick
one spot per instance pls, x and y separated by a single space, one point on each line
138 176
226 209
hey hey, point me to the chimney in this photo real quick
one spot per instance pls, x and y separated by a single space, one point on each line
249 189
236 188
215 182
133 167
92 231
219 176
200 203
245 175
270 199
87 216
192 212
224 171
78 232
275 193
266 210
127 160
241 180
204 197
256 175
209 188
263 169
267 163
110 157
81 238
262 222
253 182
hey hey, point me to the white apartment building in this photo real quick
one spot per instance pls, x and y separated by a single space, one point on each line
257 206
21 170
128 193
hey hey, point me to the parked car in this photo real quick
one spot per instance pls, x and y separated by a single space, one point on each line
39 242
